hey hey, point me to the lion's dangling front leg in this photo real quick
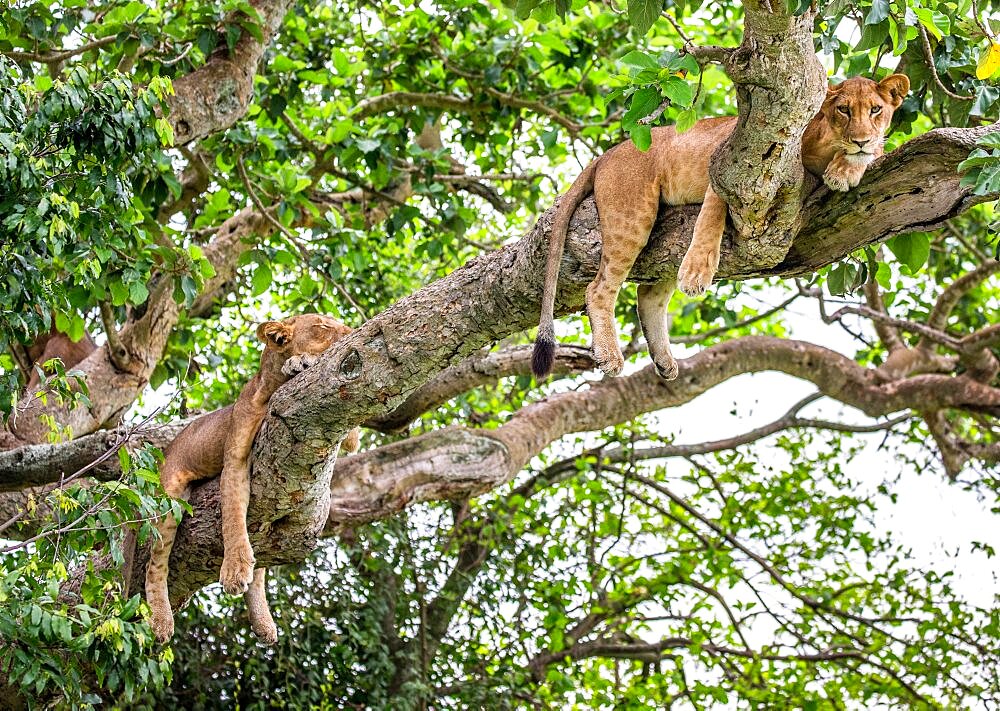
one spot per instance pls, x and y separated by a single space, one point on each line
701 261
238 562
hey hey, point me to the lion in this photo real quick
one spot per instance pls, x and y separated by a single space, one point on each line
839 143
220 442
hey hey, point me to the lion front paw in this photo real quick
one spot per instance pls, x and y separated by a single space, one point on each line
609 358
296 364
696 273
836 182
843 175
162 625
237 571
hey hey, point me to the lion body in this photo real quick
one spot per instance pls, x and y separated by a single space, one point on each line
219 442
629 185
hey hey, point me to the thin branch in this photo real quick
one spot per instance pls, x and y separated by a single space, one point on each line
707 54
929 60
888 334
58 56
951 295
399 99
721 330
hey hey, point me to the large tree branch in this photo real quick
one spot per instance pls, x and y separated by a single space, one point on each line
458 462
217 94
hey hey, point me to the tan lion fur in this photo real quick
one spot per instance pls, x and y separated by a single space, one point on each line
220 442
629 185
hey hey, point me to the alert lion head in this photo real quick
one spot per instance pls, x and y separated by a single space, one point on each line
858 112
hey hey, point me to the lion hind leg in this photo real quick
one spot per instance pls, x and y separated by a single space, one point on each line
236 572
626 220
261 621
653 316
177 485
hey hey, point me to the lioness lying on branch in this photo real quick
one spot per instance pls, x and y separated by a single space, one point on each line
220 442
628 185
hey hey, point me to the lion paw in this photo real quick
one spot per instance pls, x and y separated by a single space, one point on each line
296 364
837 182
695 274
162 625
237 571
667 369
609 359
265 631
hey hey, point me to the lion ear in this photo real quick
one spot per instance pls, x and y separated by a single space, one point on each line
274 333
896 86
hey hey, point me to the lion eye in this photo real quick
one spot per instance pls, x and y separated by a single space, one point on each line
876 109
844 110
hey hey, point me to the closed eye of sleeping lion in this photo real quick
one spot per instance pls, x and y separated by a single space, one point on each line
628 185
220 442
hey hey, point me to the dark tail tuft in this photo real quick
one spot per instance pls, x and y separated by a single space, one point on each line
543 356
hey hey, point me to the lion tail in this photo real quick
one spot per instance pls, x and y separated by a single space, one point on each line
544 353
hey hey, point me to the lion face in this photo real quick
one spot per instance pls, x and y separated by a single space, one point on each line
305 334
858 112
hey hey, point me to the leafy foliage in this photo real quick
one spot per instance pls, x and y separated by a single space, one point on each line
77 647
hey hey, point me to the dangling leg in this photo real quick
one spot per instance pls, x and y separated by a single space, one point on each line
238 561
261 621
236 573
702 259
176 483
626 216
653 316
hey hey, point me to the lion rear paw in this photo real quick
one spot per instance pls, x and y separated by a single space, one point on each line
265 630
667 369
162 625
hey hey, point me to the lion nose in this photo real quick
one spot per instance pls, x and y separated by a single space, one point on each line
861 144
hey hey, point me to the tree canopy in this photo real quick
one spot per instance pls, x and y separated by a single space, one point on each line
172 174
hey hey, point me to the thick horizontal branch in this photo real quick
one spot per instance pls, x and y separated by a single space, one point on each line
474 372
459 462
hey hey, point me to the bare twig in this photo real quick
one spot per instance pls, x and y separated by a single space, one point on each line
929 59
58 56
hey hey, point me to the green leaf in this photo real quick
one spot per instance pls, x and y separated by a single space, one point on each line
261 279
640 60
119 292
678 91
912 249
643 13
685 120
138 293
879 11
644 102
641 136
